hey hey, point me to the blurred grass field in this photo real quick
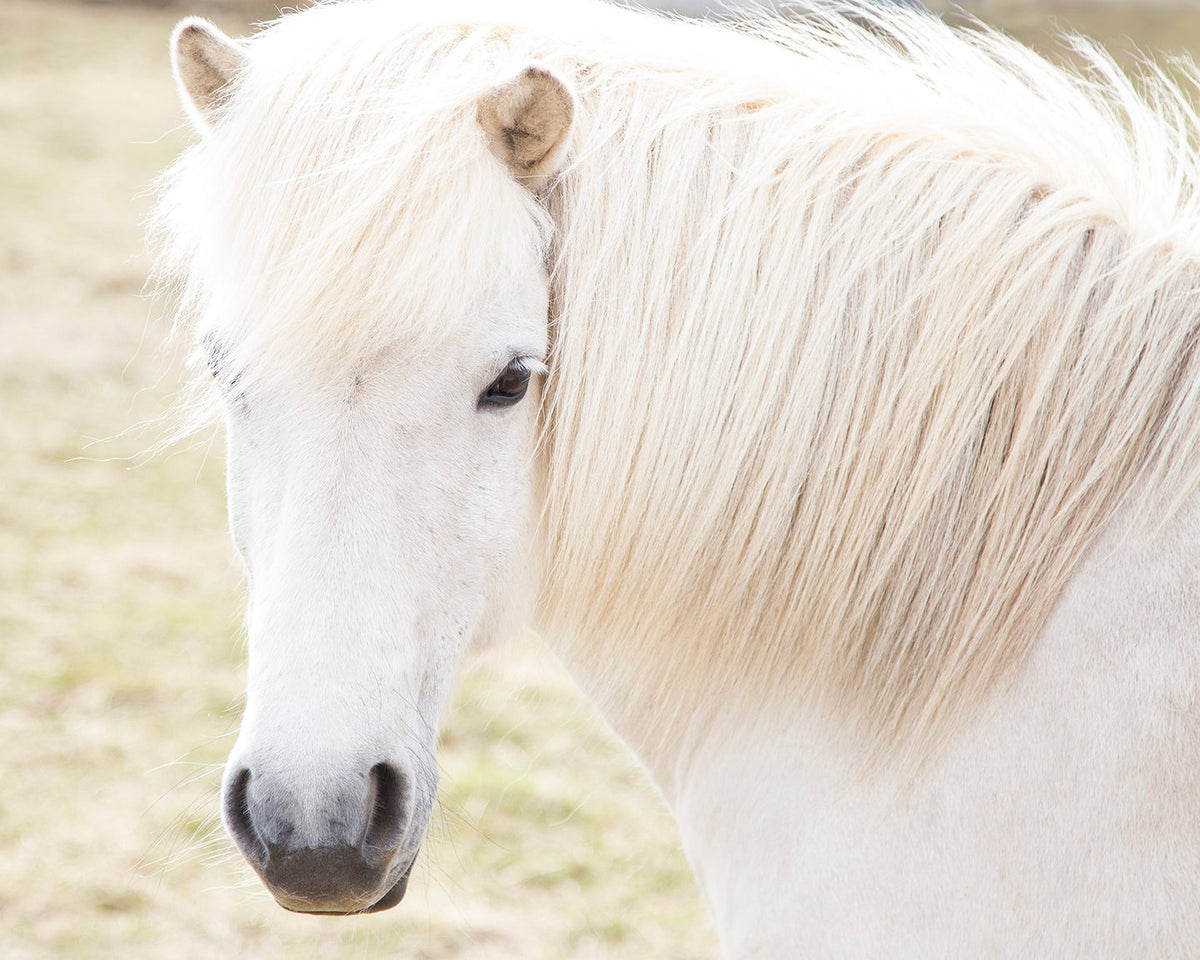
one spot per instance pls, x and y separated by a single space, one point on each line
120 651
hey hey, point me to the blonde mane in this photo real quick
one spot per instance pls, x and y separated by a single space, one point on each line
863 327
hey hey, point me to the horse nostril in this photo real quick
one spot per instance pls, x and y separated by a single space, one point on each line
387 811
239 823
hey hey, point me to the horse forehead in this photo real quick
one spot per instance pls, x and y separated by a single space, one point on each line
434 269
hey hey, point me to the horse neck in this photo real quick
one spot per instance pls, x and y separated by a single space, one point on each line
1070 797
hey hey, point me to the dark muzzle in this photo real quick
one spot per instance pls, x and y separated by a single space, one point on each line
346 861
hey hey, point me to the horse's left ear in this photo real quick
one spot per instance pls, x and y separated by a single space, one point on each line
528 124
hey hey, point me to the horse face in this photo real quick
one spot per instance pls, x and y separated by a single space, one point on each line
383 523
383 513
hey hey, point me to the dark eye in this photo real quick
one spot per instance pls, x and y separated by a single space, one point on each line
507 388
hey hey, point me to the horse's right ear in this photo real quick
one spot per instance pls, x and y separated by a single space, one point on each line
528 121
205 61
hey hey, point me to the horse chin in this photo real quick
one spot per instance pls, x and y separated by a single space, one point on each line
393 896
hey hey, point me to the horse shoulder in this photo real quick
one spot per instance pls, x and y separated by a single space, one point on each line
1062 822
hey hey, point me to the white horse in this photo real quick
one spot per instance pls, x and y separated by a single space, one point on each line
826 392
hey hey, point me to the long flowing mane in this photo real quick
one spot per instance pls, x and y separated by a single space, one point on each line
863 327
856 353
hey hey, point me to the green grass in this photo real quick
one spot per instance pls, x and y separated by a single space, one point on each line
120 652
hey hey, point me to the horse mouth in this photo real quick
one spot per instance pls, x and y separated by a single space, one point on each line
393 896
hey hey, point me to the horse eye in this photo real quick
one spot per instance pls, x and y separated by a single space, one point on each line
507 388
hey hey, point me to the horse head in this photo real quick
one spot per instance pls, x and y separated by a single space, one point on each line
381 441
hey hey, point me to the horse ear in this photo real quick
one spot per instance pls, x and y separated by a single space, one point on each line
204 61
528 121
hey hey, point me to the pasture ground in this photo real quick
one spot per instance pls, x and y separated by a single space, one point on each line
120 652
